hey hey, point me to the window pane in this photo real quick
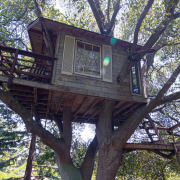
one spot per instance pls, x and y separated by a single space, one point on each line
80 45
88 47
135 80
87 59
96 48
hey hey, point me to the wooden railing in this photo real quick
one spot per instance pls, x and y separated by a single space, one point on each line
16 63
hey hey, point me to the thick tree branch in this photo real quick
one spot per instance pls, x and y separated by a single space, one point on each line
138 25
170 98
47 38
104 126
108 9
167 156
99 10
177 15
168 84
59 124
97 16
32 148
67 129
88 163
31 125
150 42
123 133
38 9
112 22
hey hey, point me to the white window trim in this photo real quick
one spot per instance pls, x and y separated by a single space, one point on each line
75 49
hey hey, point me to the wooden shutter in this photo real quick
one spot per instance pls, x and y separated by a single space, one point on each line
107 69
68 56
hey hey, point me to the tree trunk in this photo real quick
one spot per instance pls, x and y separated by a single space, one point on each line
30 158
68 171
109 157
109 160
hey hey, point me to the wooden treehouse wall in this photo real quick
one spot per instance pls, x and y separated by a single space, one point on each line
95 86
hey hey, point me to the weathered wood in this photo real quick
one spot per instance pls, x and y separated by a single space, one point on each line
89 108
121 108
161 147
27 53
154 127
60 101
35 96
12 69
81 105
48 103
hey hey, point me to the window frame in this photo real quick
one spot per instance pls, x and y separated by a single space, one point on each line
100 60
138 76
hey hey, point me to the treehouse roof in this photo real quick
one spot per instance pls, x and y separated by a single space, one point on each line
54 27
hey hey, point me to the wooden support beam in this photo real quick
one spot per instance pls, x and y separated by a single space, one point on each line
174 127
150 147
17 93
97 111
35 96
147 131
131 108
154 127
121 108
21 88
81 105
59 104
13 68
89 108
48 103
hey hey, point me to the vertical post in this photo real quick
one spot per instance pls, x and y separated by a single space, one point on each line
13 67
52 67
176 150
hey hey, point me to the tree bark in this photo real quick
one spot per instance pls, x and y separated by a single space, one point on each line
109 158
30 158
68 171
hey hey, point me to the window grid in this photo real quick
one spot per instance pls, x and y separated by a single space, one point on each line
87 59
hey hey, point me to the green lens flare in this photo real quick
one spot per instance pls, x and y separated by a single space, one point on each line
106 61
113 40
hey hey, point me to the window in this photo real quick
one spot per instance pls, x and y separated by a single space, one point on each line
87 59
135 79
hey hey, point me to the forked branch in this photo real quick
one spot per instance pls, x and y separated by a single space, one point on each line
88 163
97 16
138 25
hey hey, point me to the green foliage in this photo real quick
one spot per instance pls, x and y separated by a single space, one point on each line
147 166
44 162
13 143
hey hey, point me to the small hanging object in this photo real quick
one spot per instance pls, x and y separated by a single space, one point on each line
113 40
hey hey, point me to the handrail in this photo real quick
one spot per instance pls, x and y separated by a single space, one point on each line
34 67
27 53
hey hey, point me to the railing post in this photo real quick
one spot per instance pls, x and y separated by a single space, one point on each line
13 68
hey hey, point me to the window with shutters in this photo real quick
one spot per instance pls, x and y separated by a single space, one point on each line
87 59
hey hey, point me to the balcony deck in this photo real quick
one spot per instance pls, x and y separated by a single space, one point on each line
15 63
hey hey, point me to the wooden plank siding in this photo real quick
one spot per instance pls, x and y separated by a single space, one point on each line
99 87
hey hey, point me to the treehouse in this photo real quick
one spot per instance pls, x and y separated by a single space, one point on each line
78 68
81 71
